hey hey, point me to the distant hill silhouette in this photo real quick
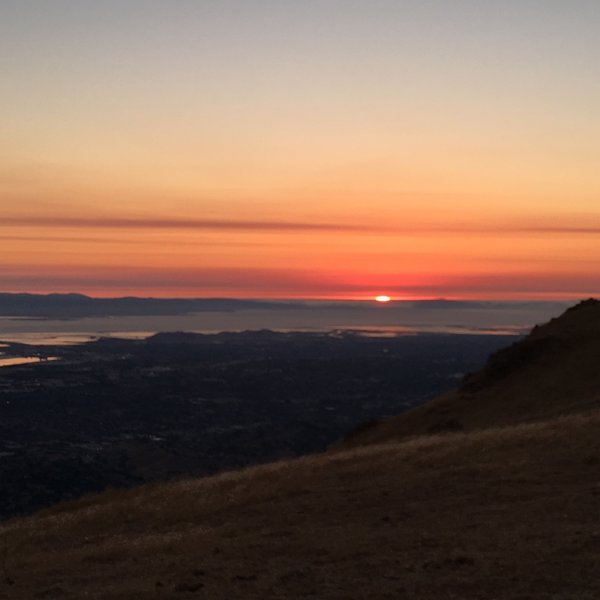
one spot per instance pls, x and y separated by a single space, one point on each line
501 504
73 306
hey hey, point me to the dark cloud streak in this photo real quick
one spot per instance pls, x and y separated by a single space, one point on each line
290 226
170 223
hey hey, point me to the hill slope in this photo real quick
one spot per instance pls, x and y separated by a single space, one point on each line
499 514
502 513
552 372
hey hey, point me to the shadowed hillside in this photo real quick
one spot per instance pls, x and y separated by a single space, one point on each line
504 512
500 514
553 372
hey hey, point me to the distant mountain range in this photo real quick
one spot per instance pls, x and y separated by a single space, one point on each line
489 493
73 306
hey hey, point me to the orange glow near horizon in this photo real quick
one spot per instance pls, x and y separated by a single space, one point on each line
251 153
279 260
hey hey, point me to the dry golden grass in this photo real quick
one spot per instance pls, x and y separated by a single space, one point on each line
510 513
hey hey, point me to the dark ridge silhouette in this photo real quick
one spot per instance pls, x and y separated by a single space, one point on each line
553 371
584 304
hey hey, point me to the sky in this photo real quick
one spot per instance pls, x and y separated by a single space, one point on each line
300 149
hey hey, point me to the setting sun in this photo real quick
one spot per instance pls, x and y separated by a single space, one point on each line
382 298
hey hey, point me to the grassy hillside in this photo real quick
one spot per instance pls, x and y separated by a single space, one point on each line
553 372
509 512
499 514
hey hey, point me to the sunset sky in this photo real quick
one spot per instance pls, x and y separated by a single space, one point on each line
300 148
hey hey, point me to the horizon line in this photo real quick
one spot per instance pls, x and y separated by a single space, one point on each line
361 299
